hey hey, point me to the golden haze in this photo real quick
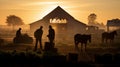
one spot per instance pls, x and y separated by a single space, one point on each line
33 10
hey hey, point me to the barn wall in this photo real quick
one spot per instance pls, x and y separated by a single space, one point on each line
63 31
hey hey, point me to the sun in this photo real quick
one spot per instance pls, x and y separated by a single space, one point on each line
46 9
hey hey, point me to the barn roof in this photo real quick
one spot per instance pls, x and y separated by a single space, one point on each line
60 13
113 22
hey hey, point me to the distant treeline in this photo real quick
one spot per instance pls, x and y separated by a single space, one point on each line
11 28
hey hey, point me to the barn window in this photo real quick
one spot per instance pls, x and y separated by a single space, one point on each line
55 20
86 28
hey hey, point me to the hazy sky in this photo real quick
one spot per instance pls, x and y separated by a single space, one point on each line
33 10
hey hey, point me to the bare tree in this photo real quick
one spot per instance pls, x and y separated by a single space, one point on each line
13 20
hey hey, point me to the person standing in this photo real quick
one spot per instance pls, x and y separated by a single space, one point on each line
51 34
38 36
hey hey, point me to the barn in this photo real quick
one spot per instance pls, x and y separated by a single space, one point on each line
64 24
113 24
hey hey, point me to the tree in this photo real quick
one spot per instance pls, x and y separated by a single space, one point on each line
91 18
92 21
13 20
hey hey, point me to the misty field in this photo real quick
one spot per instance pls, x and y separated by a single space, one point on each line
98 54
65 47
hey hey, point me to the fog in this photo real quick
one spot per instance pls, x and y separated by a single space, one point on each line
8 33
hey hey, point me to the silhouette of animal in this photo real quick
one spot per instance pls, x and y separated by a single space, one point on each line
108 36
83 39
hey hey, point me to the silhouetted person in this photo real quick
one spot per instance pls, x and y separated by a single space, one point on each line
51 35
38 35
18 33
18 38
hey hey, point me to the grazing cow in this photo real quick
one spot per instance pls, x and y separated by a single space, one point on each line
108 36
83 39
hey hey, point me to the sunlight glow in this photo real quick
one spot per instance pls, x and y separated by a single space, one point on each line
58 20
46 10
34 10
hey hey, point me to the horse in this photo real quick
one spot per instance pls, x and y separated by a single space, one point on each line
83 39
108 36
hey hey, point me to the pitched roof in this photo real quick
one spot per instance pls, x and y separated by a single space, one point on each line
58 12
